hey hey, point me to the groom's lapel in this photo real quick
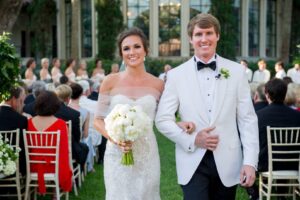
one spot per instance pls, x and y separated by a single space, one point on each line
219 93
195 88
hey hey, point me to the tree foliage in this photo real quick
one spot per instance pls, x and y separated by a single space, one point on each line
42 14
9 66
224 12
9 12
110 23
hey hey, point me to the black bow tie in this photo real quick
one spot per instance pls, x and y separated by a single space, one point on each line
201 65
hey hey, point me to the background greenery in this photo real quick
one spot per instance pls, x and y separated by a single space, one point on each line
110 23
9 67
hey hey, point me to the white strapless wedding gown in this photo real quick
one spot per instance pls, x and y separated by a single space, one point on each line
141 180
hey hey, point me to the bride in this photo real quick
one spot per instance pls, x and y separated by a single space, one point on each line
133 86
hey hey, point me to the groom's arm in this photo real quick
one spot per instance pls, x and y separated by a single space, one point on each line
166 120
247 123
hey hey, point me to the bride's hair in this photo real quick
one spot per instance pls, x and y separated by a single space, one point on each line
129 32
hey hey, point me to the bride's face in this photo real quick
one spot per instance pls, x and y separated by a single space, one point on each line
133 51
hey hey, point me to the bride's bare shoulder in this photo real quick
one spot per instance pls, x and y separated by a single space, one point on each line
109 82
157 83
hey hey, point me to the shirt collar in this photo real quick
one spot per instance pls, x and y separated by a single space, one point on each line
213 58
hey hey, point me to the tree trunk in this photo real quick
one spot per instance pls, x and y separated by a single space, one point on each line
9 11
285 18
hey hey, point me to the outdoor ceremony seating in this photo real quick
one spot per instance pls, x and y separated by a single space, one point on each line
283 150
16 180
42 150
75 167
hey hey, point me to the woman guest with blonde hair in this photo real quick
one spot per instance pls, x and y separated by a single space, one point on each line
44 73
81 72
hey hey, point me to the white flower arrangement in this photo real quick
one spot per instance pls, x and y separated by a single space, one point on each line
8 157
127 123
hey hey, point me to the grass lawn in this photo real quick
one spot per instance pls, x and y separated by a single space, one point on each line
93 186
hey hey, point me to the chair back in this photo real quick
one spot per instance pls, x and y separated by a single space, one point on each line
69 125
283 146
12 137
41 148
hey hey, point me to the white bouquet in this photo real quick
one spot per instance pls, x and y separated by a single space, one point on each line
8 157
127 123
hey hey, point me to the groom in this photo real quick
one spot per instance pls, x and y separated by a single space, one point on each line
212 92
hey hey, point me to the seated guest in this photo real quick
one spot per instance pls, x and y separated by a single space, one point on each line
275 115
79 149
290 97
91 106
248 71
63 79
47 104
85 119
95 91
82 72
36 87
11 119
259 98
287 80
279 68
294 72
262 75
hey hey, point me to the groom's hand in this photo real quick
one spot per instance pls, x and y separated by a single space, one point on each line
205 140
247 176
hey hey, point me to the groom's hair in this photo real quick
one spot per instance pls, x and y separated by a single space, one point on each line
204 20
133 31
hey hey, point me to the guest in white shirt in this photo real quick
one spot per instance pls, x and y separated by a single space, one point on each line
163 76
279 68
262 75
248 71
294 73
91 106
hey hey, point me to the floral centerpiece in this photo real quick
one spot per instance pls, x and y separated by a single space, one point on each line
8 157
127 123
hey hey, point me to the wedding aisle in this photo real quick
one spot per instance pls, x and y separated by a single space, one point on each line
93 186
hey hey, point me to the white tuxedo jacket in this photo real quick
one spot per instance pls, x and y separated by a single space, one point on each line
232 110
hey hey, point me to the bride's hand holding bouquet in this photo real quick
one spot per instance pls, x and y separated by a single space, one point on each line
125 124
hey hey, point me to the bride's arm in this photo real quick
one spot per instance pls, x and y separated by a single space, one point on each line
103 104
188 127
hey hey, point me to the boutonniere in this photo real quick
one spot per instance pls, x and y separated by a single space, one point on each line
224 73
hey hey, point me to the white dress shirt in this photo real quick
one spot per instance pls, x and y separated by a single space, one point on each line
207 80
261 76
294 74
91 106
280 74
249 74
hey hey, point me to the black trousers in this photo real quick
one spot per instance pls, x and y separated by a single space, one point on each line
101 149
206 184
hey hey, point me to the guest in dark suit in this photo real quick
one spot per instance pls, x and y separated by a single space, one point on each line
37 88
79 149
275 115
259 98
95 91
11 119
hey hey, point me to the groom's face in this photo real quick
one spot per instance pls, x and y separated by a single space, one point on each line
204 42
